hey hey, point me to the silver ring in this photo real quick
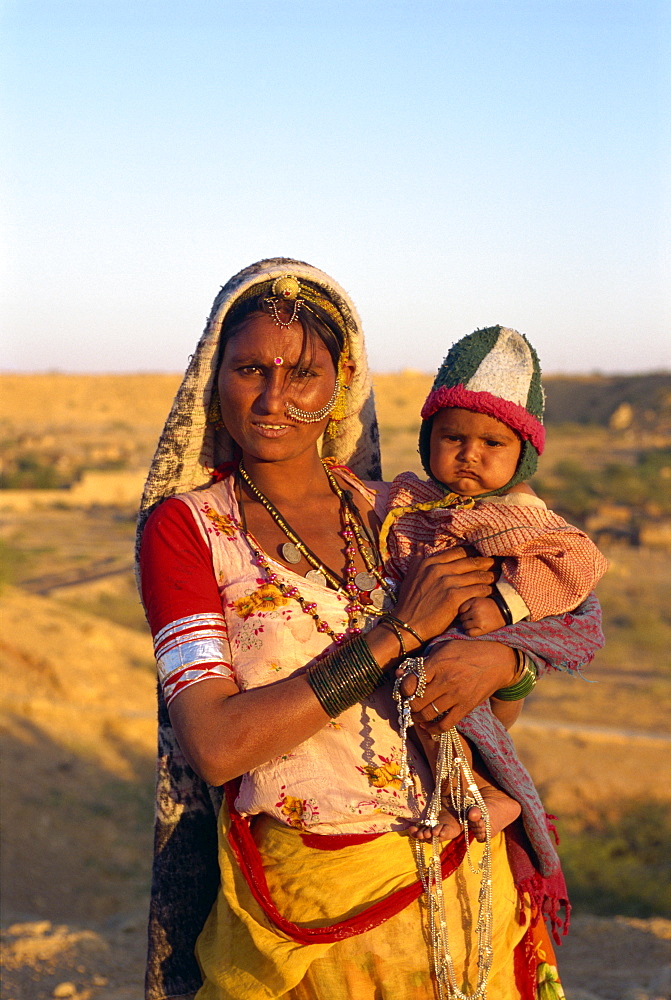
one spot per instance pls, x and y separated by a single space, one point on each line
435 708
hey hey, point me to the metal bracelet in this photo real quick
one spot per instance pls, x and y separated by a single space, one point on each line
522 687
344 677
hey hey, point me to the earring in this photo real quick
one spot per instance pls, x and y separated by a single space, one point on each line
340 406
314 416
214 411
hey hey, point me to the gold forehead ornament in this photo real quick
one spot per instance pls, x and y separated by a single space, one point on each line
285 288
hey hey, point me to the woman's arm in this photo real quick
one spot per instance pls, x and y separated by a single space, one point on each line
222 730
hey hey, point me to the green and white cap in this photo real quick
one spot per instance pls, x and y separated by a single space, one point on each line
494 371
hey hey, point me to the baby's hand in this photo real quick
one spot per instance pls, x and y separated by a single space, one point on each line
480 615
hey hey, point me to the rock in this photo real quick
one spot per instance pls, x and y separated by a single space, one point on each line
35 928
65 990
621 418
656 534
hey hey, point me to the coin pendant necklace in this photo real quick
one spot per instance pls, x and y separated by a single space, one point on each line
381 600
365 581
365 585
319 574
372 582
291 553
295 548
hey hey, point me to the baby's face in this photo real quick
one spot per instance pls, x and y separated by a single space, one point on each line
472 453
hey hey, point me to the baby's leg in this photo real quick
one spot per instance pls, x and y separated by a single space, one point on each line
502 809
507 712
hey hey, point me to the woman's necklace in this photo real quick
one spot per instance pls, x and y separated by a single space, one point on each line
372 582
453 769
295 547
354 608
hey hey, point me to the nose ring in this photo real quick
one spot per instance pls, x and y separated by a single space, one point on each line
314 416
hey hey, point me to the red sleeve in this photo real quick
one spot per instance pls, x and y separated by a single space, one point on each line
182 601
176 574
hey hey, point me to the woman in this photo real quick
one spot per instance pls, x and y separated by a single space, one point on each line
319 896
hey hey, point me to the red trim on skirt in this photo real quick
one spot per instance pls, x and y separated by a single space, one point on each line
249 859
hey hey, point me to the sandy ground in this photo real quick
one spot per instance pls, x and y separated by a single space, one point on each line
603 959
78 730
78 734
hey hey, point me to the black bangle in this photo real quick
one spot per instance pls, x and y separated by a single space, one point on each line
393 627
502 605
347 675
408 628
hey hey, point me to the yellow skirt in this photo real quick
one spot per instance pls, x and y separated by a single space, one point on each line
243 956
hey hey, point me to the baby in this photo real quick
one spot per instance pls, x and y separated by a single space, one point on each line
480 438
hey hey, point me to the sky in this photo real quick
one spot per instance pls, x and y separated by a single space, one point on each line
453 164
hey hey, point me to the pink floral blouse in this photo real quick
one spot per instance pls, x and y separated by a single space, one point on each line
237 624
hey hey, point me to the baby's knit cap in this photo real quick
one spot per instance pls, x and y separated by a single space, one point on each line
496 372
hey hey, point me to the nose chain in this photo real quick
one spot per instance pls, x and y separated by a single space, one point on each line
314 416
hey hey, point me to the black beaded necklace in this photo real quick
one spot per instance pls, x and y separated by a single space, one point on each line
295 547
371 582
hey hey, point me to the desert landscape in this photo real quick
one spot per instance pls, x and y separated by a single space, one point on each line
77 709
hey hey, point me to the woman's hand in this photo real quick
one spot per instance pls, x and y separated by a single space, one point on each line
460 675
436 586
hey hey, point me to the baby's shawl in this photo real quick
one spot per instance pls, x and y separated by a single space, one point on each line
551 564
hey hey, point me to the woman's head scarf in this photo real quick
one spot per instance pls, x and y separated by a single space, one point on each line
192 444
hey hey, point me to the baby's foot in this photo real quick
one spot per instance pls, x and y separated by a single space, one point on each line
447 828
502 809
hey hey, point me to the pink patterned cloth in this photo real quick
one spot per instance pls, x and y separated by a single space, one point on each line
214 614
552 565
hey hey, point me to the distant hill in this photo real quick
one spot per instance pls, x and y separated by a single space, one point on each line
141 401
618 401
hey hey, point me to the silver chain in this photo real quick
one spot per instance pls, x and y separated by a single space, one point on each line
452 768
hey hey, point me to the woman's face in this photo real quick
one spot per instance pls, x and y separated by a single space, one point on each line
259 374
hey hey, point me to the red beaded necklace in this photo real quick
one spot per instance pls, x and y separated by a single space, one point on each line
353 537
